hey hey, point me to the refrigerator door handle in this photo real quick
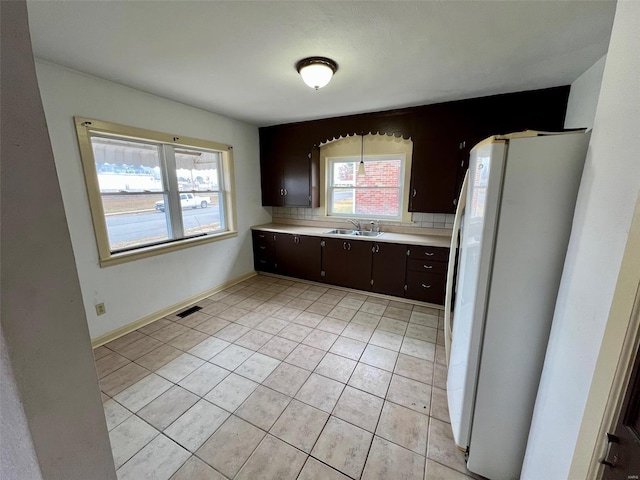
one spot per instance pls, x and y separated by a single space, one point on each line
451 273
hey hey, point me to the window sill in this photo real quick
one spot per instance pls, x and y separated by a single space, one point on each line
145 252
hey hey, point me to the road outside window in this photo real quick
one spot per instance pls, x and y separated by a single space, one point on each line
152 193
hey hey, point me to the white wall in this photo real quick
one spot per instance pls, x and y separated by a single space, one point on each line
136 289
583 97
50 402
608 193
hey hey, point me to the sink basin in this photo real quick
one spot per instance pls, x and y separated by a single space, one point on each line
366 233
340 231
353 233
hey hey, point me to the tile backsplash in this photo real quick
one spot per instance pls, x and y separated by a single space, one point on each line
418 220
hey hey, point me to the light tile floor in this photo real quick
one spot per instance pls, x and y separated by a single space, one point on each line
279 379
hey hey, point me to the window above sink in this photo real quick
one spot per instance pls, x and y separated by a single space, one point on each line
378 194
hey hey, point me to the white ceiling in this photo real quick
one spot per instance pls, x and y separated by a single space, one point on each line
237 58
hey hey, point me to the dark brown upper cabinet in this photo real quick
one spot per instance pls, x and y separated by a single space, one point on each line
442 136
289 170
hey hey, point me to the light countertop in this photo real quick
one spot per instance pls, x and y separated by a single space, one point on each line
388 237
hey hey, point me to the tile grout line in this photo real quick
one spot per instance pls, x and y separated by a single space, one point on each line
292 321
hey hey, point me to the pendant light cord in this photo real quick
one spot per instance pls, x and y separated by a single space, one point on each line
361 165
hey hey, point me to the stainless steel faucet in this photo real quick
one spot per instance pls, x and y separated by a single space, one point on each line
355 224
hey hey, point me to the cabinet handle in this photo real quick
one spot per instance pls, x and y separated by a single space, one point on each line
322 243
455 201
263 261
260 236
262 247
429 254
296 239
428 267
415 192
373 249
348 246
426 286
377 248
344 245
285 192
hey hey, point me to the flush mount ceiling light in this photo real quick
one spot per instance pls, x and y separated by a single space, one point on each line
316 71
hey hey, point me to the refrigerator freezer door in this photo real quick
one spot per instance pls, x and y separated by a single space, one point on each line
486 167
451 270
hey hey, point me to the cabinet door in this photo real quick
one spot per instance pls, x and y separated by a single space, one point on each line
434 165
298 256
296 181
285 261
359 264
334 261
270 168
388 268
271 184
308 258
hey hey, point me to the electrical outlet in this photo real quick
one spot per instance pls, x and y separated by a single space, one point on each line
101 309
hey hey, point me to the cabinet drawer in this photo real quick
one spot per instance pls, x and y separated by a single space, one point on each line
426 266
262 238
264 263
264 248
426 287
439 254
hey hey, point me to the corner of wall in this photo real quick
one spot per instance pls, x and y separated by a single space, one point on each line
583 97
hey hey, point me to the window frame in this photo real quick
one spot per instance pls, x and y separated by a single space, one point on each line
331 161
85 127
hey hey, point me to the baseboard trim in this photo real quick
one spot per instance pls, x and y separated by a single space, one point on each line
130 327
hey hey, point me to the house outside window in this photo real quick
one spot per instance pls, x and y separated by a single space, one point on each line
151 192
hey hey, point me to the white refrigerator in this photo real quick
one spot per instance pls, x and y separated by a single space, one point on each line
515 217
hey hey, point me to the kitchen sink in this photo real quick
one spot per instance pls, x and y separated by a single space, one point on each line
366 233
353 233
341 231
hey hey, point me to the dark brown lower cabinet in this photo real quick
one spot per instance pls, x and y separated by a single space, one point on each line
388 268
298 256
427 273
426 287
415 272
346 263
359 265
264 251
